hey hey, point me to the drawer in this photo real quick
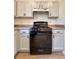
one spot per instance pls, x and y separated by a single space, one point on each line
24 31
58 31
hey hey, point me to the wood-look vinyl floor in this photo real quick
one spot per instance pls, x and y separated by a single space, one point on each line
28 56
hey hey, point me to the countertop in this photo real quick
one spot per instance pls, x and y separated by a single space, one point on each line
57 26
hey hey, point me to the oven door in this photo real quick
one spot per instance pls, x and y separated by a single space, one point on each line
41 40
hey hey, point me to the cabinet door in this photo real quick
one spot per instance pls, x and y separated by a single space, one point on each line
24 40
54 9
20 8
45 5
24 9
28 9
40 5
58 40
35 5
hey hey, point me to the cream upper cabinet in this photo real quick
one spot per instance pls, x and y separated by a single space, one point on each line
54 9
24 9
40 5
28 9
20 8
35 5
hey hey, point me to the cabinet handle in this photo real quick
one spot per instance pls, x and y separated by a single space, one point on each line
27 36
58 32
53 36
23 32
24 14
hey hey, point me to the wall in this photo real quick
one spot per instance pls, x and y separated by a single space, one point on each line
37 17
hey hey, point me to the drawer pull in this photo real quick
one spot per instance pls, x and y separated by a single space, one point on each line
58 32
53 36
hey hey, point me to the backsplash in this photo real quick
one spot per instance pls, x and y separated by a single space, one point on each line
39 17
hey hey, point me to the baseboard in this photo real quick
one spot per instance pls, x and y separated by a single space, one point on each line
24 51
56 50
16 55
63 52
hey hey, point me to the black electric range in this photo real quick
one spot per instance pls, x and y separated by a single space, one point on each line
40 38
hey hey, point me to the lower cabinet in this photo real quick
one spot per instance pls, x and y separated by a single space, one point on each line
58 40
24 40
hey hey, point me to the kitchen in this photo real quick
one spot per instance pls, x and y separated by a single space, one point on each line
29 11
